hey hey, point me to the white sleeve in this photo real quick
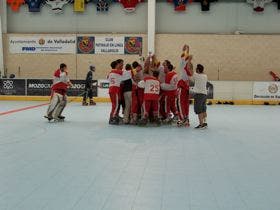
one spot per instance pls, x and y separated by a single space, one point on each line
165 86
63 77
126 75
172 85
141 84
183 63
174 82
192 78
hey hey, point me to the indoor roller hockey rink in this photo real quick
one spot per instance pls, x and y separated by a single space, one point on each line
86 164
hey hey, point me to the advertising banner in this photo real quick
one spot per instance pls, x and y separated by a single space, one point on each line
12 86
35 44
133 45
109 45
78 88
85 45
266 91
41 87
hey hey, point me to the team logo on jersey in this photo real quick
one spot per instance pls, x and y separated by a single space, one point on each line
133 45
8 84
42 41
85 44
273 88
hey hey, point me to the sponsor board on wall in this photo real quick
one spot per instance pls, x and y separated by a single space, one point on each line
109 45
103 86
85 44
41 87
133 45
12 86
41 44
266 91
78 88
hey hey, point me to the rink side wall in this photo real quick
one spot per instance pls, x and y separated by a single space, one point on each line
239 92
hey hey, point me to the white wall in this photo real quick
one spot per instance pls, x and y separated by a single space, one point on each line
115 21
224 17
3 14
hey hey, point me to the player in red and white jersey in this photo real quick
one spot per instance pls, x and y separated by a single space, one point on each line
151 87
183 88
59 88
120 66
162 69
137 93
115 77
170 91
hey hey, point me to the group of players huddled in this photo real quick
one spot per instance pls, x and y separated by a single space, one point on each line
152 92
148 92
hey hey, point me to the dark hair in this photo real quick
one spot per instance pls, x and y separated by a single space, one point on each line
128 67
167 62
170 67
114 64
200 68
63 65
135 64
156 74
119 61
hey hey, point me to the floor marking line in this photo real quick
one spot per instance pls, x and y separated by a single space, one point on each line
22 109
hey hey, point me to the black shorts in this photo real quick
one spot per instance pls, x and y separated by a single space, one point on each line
200 103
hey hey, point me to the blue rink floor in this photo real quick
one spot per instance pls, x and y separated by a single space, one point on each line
86 164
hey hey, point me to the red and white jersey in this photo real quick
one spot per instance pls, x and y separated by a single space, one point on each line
115 78
129 5
170 85
259 4
185 72
60 82
162 74
151 87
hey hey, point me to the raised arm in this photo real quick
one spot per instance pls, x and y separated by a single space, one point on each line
184 57
189 67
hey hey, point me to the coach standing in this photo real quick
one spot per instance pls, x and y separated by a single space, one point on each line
88 87
200 95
